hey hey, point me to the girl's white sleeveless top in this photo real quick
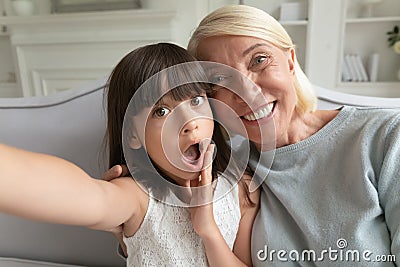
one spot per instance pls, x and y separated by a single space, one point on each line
166 236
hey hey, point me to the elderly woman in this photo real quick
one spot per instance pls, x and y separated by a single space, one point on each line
332 192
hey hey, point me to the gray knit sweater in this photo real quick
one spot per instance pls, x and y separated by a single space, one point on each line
333 199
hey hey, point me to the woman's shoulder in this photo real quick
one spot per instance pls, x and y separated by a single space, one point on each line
374 111
379 116
377 123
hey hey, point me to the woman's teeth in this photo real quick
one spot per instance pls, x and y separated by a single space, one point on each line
261 113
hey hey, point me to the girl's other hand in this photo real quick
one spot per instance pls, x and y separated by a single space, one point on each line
201 210
115 172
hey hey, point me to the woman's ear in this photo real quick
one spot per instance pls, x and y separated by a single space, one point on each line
291 60
134 142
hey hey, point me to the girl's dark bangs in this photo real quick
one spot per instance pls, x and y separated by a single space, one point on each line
190 80
181 82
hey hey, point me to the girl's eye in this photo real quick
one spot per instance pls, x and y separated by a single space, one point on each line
197 101
161 112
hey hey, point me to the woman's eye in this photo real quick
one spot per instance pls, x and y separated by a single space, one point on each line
161 112
259 59
197 101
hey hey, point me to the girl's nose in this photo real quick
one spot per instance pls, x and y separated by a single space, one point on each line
190 127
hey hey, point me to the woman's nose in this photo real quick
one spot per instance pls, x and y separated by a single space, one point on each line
247 94
190 127
246 91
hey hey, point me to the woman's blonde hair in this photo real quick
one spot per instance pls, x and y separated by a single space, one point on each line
242 20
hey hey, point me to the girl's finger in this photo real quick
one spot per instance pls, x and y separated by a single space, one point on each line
115 172
206 176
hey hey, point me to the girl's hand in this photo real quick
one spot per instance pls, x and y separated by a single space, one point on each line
201 210
115 172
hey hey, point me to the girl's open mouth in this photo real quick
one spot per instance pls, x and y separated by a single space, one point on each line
193 156
192 153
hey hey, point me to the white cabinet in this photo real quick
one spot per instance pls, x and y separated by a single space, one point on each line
59 52
46 53
56 52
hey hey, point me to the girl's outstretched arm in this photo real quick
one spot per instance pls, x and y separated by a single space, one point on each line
46 188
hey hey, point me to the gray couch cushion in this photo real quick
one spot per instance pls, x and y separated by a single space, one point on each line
70 125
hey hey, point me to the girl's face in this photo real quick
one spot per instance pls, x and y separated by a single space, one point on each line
273 98
176 135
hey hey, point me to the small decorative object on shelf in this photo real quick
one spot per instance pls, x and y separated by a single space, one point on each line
293 11
353 70
23 7
369 7
373 65
394 42
394 39
3 27
65 6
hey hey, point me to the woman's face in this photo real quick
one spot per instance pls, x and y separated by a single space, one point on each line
273 98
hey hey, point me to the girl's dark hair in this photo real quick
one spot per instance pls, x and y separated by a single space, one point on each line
131 73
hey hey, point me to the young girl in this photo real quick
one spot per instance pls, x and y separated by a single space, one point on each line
156 233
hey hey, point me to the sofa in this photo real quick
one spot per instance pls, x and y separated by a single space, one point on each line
71 125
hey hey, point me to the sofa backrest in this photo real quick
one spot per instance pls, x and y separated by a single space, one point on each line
71 125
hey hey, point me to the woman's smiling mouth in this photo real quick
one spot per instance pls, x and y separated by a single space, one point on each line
261 113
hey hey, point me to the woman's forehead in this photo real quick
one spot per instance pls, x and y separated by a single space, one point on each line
210 47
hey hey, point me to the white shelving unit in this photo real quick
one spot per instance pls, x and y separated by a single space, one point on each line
366 35
340 27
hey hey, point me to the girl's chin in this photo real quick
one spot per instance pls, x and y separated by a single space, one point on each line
189 177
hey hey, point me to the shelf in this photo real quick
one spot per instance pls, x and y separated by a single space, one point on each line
86 17
3 30
386 89
374 19
294 22
7 84
127 25
9 90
